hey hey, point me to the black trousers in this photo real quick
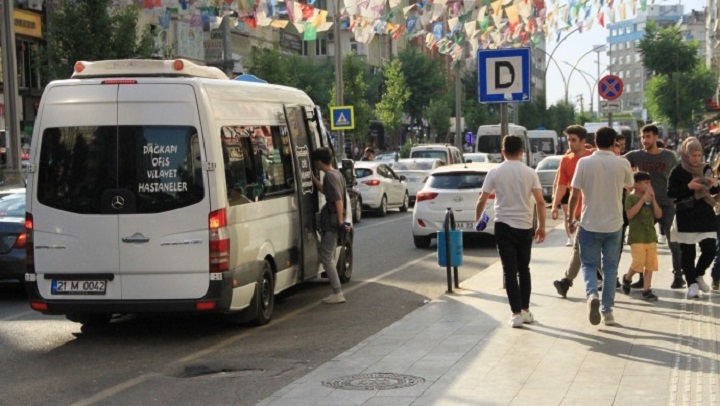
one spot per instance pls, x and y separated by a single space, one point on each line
514 246
687 257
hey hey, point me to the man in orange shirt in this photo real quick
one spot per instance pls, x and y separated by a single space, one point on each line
576 135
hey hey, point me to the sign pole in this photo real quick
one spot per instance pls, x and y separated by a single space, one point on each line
504 119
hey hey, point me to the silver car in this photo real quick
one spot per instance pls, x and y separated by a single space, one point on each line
416 172
547 170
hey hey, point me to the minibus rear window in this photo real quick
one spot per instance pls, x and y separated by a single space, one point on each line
155 168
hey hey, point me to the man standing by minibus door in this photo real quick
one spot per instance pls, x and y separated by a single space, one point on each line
332 218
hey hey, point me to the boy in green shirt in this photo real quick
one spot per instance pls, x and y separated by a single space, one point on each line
642 209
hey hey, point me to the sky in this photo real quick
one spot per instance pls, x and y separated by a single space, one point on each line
578 44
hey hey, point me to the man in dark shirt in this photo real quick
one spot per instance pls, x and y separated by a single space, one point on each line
333 187
658 162
369 154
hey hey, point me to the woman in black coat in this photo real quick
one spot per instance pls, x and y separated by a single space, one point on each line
692 185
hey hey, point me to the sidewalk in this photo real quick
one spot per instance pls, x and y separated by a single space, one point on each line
459 349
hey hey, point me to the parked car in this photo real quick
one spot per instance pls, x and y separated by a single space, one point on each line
387 157
546 170
416 172
456 187
12 238
380 187
480 157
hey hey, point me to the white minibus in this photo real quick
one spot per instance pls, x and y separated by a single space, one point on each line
489 140
163 186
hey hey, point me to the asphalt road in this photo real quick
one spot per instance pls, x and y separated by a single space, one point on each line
200 360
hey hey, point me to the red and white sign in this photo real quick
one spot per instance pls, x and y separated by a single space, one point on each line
610 87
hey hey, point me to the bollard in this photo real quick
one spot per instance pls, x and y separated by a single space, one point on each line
450 247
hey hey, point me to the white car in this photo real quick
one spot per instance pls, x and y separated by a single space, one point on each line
380 187
416 172
456 187
480 157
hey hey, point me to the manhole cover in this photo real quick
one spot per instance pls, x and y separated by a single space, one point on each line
374 381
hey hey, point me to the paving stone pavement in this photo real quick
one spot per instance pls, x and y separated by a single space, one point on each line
459 349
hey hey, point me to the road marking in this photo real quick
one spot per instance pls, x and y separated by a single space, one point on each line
113 390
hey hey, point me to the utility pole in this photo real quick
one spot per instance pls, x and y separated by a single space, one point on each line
227 62
10 89
338 76
458 108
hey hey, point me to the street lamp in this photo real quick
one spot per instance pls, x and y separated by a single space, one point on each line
550 56
562 75
575 67
590 87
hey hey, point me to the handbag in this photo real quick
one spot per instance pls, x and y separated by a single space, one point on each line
684 204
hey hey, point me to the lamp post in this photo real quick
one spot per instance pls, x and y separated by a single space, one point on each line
575 67
550 56
599 49
590 87
9 62
338 76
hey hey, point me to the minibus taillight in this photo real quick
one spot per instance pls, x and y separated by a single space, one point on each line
219 243
29 248
119 82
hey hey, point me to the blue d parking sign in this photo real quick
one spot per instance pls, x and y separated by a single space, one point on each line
503 75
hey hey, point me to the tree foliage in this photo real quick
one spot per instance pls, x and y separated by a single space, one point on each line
675 98
294 71
664 51
533 114
87 30
559 116
390 109
425 78
438 115
476 113
355 79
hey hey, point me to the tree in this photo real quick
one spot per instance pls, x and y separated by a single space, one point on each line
675 98
533 114
438 115
76 29
664 51
560 116
355 74
425 78
391 108
476 113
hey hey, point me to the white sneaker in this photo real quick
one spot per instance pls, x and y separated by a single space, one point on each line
335 298
692 291
516 321
568 243
702 284
608 319
661 239
527 316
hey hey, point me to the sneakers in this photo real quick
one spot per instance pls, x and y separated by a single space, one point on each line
661 239
639 283
562 286
516 321
335 298
678 282
626 285
617 283
649 296
527 316
569 242
594 310
716 284
608 319
692 291
702 284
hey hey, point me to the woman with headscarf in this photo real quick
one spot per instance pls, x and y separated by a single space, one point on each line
692 185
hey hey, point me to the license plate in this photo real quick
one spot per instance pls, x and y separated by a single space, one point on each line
464 225
61 287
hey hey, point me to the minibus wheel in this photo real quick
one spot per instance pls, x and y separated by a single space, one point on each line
345 262
264 296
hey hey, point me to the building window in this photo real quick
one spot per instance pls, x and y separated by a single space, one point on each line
305 48
627 73
321 47
637 87
637 73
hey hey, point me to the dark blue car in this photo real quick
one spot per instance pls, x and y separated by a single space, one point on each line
12 238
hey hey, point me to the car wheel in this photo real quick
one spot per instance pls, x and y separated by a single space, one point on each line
264 297
422 241
345 262
90 319
382 209
406 203
357 212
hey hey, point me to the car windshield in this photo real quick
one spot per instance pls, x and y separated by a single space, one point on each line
430 154
363 172
13 205
548 164
413 166
457 180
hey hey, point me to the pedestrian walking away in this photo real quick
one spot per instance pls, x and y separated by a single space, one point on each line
659 162
576 135
514 185
692 185
332 218
642 209
601 179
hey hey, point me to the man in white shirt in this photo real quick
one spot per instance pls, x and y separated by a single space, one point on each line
514 183
601 178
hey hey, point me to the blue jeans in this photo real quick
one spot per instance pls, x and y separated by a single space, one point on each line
595 247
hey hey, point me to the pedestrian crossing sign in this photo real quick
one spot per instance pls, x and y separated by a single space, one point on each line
343 118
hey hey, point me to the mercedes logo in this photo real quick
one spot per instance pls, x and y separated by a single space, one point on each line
117 202
458 198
